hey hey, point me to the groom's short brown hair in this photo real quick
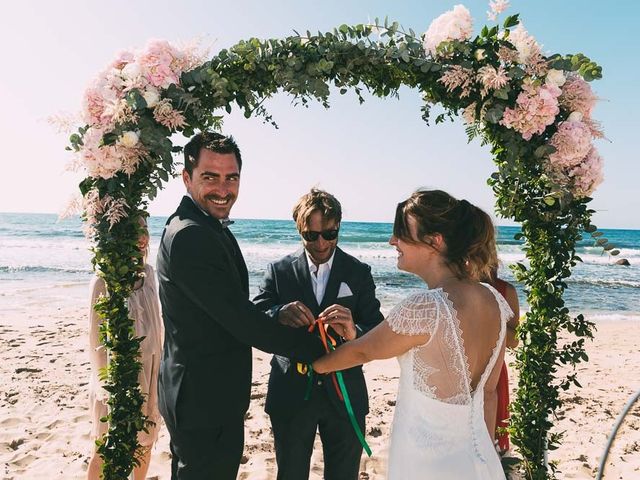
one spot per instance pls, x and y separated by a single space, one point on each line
316 201
214 141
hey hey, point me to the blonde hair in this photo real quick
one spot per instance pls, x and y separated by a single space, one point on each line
316 201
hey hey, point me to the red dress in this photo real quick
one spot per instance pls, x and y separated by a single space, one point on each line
502 417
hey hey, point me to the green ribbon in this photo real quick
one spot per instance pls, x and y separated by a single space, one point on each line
352 416
307 393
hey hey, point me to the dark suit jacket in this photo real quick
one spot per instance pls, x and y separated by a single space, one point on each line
210 323
288 280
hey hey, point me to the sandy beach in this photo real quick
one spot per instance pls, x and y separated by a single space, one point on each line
44 421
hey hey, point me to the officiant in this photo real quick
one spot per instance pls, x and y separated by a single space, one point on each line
325 281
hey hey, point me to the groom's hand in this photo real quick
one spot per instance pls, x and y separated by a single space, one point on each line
341 320
295 314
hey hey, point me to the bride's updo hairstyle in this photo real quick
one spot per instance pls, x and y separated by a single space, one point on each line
468 233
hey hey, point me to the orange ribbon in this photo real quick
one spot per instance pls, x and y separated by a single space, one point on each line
322 328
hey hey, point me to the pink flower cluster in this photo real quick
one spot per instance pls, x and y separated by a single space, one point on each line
577 95
113 209
104 161
165 114
455 24
492 78
458 77
588 175
157 66
496 8
149 70
575 164
525 44
572 142
536 108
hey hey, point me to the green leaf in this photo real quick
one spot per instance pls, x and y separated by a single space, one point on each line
544 151
511 21
494 114
501 94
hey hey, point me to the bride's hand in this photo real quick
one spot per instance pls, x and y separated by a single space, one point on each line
341 320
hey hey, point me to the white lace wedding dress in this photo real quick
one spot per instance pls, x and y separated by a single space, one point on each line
438 429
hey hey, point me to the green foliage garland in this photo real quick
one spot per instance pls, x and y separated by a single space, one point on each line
307 67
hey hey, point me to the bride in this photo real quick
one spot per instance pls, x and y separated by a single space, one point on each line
449 339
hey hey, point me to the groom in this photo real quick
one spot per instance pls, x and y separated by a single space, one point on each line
338 287
210 324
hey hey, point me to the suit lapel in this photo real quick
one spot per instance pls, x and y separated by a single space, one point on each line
333 284
239 260
228 240
303 278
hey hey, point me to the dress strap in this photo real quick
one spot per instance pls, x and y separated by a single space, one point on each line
505 314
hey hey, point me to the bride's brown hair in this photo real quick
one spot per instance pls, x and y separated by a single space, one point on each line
468 232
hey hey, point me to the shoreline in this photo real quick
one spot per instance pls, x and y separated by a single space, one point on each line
44 420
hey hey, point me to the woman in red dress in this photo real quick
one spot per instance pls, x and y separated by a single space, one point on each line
508 291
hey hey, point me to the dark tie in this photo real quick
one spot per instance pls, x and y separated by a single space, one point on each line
225 222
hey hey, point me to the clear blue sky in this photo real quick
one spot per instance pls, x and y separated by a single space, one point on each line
370 156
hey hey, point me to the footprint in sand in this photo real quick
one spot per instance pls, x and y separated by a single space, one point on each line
44 436
10 422
81 418
53 424
22 460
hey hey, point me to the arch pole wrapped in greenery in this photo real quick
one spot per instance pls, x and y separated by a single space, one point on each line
535 111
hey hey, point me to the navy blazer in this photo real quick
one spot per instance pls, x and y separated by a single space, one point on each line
288 280
210 323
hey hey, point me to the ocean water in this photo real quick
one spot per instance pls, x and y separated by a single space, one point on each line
46 260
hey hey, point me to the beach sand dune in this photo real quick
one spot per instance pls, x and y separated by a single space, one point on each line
44 422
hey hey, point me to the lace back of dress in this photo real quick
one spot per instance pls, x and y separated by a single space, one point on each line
447 376
440 369
440 366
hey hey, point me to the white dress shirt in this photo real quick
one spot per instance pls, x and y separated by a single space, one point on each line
319 276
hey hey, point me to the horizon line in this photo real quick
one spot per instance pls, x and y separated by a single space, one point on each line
291 220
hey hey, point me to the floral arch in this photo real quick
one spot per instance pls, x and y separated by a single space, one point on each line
534 111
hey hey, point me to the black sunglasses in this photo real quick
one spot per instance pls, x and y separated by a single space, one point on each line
311 236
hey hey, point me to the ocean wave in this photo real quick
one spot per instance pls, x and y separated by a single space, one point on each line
604 282
60 243
612 316
42 269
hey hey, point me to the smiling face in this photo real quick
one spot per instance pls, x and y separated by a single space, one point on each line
214 183
412 256
320 250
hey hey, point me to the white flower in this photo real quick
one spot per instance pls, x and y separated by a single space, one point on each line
479 54
129 139
151 96
525 44
556 77
575 117
131 71
497 7
455 24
